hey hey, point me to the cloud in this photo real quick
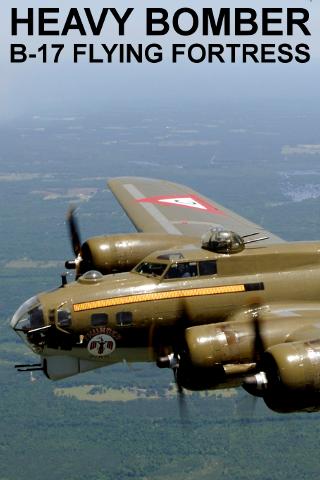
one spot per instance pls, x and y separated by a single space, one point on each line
301 149
78 194
238 130
28 263
21 177
304 192
188 143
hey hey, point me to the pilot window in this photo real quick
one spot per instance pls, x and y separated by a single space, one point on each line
208 267
124 318
99 319
151 268
182 270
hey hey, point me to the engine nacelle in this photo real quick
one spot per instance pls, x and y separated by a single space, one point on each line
294 366
291 370
217 355
226 342
293 377
233 342
120 253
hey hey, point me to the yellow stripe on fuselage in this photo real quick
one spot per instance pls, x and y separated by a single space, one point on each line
149 297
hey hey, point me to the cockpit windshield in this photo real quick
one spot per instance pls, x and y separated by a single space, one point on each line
152 269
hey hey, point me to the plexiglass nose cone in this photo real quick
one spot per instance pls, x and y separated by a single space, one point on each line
28 316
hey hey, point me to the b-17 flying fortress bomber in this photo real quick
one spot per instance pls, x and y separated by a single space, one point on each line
198 289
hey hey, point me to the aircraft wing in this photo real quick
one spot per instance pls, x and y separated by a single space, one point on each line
159 206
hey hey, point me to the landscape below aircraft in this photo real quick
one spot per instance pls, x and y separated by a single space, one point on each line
198 289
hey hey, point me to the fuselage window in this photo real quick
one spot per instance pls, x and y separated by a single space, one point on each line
208 267
124 318
182 270
151 268
99 319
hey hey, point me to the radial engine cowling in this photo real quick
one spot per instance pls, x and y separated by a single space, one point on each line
293 377
119 253
291 370
209 349
233 342
227 342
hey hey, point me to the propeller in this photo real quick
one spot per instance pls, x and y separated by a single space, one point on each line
74 234
258 342
183 409
246 405
176 358
180 357
74 231
257 384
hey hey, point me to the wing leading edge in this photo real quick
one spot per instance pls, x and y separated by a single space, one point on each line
159 206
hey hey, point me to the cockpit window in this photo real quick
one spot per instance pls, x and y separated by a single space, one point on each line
151 268
208 267
182 270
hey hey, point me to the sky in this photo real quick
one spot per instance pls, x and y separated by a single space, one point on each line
32 87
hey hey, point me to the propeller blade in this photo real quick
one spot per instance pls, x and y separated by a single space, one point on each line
182 403
74 231
245 406
179 352
257 384
258 342
172 360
